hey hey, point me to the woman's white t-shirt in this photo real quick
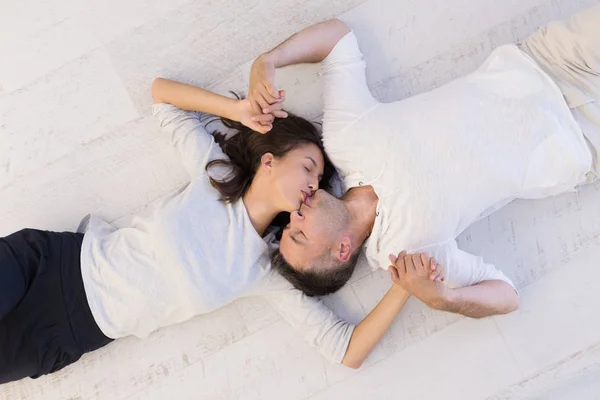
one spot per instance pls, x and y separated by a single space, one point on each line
188 254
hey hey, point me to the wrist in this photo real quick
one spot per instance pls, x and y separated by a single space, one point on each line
398 291
270 58
444 300
236 110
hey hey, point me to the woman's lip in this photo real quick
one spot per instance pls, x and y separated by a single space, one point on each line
305 196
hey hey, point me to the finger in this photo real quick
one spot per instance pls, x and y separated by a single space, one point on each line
274 93
436 275
275 107
401 267
424 259
264 105
410 265
267 96
256 108
392 258
434 264
258 127
394 273
264 118
416 258
281 98
277 110
418 262
434 272
280 114
441 277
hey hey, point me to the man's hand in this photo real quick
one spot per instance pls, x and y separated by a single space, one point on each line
416 273
262 92
261 123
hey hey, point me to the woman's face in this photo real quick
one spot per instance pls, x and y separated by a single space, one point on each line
296 175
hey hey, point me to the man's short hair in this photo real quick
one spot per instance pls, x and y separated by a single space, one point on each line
317 280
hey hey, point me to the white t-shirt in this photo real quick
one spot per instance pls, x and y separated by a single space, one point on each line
188 254
443 159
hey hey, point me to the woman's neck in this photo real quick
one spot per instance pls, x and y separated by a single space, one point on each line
260 208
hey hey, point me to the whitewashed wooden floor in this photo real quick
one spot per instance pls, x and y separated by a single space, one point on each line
76 136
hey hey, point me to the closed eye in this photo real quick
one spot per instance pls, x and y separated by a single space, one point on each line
295 238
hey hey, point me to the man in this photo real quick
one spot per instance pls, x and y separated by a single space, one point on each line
417 172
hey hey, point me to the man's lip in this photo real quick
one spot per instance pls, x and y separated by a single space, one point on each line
306 201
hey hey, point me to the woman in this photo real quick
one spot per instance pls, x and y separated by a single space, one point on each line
190 252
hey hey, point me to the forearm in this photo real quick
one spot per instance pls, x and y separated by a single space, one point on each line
481 300
192 98
310 45
371 329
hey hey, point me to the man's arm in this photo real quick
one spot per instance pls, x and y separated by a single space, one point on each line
489 297
481 300
310 45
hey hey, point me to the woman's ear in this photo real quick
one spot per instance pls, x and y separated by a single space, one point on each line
267 160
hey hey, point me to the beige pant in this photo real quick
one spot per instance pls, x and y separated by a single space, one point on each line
570 53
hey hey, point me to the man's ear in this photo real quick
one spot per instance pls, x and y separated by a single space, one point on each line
343 250
267 160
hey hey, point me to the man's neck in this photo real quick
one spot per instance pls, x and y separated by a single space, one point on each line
361 203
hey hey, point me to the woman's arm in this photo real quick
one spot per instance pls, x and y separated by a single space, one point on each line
192 98
338 340
371 329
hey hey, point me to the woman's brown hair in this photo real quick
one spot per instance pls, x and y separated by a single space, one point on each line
245 148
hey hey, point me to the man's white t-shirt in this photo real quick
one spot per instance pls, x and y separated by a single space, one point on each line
188 254
443 159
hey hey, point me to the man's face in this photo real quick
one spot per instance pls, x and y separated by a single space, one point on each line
313 230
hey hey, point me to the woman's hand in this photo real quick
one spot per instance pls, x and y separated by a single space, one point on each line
416 273
261 123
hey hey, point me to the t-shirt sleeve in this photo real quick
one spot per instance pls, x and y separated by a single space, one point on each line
319 326
187 134
463 269
346 94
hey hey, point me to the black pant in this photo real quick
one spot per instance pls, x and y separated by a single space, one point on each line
45 320
12 280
